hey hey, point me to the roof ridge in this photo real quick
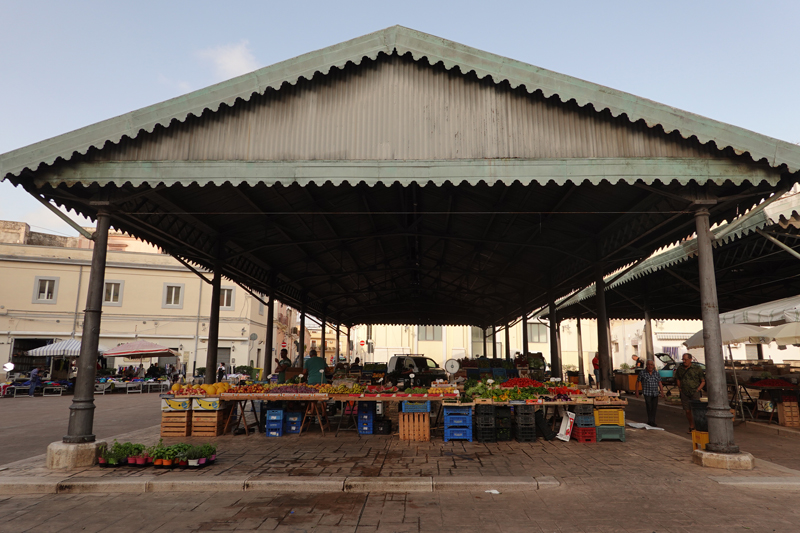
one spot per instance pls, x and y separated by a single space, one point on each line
420 45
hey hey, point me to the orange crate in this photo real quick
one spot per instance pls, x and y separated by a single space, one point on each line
415 426
176 423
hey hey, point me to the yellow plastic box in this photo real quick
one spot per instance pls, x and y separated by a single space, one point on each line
609 417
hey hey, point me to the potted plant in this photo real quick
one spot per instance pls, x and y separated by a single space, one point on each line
181 451
158 453
209 453
169 457
102 455
193 456
136 455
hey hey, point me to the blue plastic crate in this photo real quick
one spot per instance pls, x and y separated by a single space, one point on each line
275 432
366 417
365 429
366 407
457 410
275 415
499 373
457 434
417 407
274 424
293 417
458 420
584 421
292 427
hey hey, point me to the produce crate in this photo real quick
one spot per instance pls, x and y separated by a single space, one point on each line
609 417
368 416
176 404
484 421
584 434
525 420
417 407
274 424
292 427
275 432
484 434
789 414
584 421
176 423
209 423
525 433
382 427
583 409
366 407
500 422
457 420
457 434
610 433
503 434
525 410
415 426
210 404
457 410
487 410
274 415
365 428
502 412
699 439
293 417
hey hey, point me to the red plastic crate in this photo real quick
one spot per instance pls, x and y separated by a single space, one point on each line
584 434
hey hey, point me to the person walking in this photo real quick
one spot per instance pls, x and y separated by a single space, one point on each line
652 389
35 381
690 379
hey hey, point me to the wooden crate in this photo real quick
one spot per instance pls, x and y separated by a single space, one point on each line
209 423
415 426
176 423
789 414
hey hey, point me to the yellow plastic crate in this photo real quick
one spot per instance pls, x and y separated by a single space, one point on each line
699 439
609 417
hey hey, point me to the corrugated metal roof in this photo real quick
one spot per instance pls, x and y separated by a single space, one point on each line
401 41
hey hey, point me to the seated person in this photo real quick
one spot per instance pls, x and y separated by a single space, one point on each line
355 366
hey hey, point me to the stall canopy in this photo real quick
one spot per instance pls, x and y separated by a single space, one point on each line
67 348
403 178
766 314
140 350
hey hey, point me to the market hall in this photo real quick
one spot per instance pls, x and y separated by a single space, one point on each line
404 179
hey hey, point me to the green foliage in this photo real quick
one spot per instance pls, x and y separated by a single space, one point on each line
207 450
200 371
246 370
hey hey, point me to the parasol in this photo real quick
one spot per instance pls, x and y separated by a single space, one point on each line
733 333
786 334
67 348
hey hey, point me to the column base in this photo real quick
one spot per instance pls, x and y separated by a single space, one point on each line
61 455
726 461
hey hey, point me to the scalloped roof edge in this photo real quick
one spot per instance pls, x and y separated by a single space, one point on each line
420 45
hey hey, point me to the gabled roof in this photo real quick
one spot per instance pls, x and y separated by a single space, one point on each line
400 40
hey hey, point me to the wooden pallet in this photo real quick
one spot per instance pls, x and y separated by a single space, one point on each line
789 414
209 423
415 426
176 423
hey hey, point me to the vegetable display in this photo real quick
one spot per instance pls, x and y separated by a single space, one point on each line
773 383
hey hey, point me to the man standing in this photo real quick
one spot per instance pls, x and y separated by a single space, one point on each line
596 366
221 372
35 381
283 363
691 379
312 367
652 388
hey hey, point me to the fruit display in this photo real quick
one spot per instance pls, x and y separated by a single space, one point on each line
200 390
442 390
355 388
276 388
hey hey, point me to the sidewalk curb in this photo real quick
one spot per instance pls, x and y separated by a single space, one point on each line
140 485
792 483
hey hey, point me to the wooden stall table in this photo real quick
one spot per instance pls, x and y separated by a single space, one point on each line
240 401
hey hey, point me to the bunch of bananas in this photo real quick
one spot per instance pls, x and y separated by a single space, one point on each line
342 389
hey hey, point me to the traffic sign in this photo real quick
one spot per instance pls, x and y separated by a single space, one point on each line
362 343
283 344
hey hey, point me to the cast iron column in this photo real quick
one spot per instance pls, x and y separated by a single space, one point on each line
338 340
213 326
508 344
494 342
555 355
581 370
81 412
322 340
720 419
270 340
302 347
602 329
347 350
648 335
485 354
524 329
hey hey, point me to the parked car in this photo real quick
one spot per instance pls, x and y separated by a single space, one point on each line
425 369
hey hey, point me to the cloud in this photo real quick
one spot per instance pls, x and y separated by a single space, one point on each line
182 87
230 60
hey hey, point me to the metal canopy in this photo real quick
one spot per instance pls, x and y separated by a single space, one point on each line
379 187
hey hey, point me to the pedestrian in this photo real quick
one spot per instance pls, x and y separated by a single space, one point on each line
312 368
691 379
652 389
596 366
221 372
141 372
35 381
283 363
637 362
356 366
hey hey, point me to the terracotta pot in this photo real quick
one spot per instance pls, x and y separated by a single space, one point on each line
166 462
158 462
183 463
141 461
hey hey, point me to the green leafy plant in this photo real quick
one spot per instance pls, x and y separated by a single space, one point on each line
200 371
207 450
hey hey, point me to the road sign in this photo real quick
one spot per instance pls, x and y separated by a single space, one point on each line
362 343
283 344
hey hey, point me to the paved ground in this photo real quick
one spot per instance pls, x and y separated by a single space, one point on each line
28 425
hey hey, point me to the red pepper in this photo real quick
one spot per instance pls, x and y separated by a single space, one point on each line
521 383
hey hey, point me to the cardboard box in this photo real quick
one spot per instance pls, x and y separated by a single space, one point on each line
208 404
176 404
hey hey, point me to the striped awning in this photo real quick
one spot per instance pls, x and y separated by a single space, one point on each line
67 348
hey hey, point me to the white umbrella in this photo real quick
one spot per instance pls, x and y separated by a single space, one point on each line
67 348
786 334
733 333
140 350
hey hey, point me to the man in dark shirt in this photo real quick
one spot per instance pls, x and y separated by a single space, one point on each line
691 379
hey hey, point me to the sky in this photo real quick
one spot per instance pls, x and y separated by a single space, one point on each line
64 65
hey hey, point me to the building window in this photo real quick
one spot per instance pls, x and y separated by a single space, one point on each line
429 333
226 298
45 290
537 333
112 293
261 308
173 296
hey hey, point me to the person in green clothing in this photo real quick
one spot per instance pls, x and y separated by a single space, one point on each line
691 380
283 364
312 367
